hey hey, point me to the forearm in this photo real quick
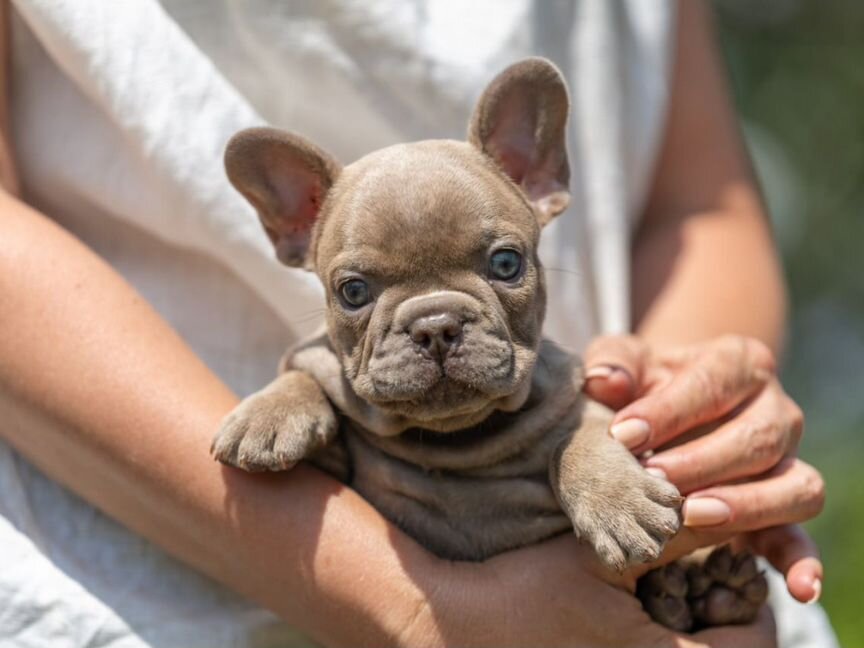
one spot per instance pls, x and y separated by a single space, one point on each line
97 391
706 275
704 262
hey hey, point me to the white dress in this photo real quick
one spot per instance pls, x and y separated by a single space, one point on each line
121 111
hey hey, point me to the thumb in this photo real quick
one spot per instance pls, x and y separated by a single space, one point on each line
614 366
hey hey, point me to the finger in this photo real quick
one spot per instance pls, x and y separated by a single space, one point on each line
795 555
713 383
612 386
613 368
762 633
792 492
769 428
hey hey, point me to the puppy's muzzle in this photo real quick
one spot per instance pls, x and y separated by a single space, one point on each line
443 353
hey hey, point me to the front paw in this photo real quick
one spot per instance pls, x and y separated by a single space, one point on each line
627 515
273 431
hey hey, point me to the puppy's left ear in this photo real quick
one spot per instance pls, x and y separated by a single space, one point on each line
520 122
286 178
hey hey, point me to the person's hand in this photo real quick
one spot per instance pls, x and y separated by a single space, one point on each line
713 419
557 594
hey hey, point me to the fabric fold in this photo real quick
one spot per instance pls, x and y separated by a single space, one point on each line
175 112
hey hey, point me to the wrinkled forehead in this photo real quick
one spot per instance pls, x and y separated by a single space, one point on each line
422 205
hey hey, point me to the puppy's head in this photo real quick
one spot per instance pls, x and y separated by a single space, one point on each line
427 251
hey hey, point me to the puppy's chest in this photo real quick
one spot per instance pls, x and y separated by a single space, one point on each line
464 496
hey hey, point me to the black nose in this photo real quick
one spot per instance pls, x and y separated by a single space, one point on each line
437 334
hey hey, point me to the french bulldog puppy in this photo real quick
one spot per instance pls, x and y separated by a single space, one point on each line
432 392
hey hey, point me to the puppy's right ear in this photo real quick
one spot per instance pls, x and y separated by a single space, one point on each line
286 178
521 123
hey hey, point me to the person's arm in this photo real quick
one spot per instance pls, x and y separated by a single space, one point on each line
704 260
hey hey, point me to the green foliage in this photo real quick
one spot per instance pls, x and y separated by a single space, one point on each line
798 78
840 532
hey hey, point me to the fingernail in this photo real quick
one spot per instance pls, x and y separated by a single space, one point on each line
705 511
657 472
817 591
631 433
600 371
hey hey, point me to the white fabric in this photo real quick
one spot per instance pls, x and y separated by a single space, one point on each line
121 112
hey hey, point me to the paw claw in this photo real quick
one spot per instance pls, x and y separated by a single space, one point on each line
610 552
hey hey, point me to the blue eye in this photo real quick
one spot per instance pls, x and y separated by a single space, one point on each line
505 265
355 292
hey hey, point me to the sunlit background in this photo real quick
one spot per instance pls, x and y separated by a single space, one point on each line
797 68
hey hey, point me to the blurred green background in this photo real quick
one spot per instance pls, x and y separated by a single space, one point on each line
797 69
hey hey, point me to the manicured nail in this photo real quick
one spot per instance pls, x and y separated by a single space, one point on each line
705 511
631 433
817 591
657 472
600 371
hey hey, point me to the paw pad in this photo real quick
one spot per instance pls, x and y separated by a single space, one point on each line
725 589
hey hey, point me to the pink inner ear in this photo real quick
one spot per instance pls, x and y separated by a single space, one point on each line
513 162
538 179
299 195
512 141
288 203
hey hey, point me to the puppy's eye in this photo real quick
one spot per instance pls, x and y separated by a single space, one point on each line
505 264
355 292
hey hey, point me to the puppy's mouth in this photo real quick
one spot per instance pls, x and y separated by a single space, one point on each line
461 389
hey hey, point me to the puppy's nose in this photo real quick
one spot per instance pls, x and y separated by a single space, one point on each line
437 334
